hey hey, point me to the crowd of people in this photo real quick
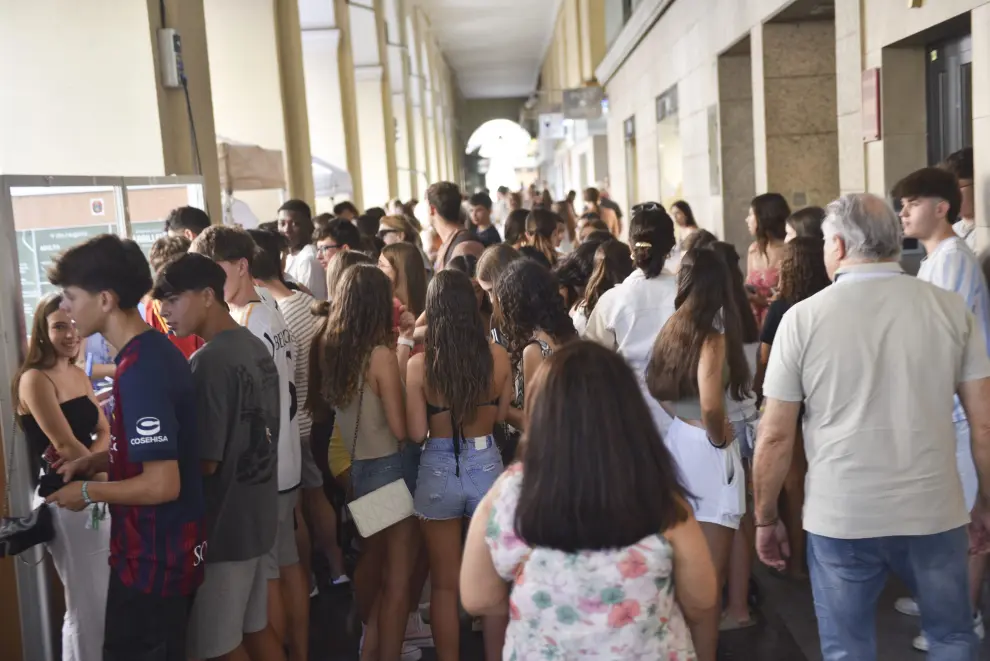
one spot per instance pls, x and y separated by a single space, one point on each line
580 441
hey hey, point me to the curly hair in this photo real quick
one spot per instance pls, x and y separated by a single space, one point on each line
802 271
613 264
359 320
704 305
459 364
526 300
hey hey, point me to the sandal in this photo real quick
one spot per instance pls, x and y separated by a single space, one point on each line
728 623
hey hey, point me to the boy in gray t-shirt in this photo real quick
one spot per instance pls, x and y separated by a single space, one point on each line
237 389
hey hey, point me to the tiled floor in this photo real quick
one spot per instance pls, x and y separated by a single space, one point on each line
786 631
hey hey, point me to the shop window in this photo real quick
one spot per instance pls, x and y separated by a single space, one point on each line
632 175
670 161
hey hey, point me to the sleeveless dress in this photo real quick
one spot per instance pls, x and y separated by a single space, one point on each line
764 281
605 605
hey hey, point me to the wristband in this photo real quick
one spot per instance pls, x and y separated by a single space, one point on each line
85 493
767 524
406 342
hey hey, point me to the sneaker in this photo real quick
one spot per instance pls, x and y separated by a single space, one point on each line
907 606
343 579
920 643
410 653
418 632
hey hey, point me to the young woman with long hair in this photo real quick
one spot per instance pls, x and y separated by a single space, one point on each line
802 275
611 266
515 228
574 271
567 238
531 315
403 265
355 358
806 222
743 415
592 531
767 223
683 217
456 393
62 421
541 228
696 358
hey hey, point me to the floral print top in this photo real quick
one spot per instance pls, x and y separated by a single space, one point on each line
616 604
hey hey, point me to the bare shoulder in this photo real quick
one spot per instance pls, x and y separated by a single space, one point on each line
382 358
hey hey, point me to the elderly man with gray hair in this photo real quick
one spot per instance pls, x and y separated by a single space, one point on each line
876 359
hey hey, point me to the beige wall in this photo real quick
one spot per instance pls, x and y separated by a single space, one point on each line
244 71
77 89
689 42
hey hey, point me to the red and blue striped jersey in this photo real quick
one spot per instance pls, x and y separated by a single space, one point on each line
156 549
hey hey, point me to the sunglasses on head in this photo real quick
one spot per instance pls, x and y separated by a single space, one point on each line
647 206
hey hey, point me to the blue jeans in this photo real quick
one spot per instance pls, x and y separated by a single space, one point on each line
367 475
451 487
848 575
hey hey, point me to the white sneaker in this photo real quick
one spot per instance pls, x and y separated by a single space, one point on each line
920 643
410 653
418 632
907 606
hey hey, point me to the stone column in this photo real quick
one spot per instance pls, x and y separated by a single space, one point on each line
329 71
794 111
981 121
173 112
298 157
373 100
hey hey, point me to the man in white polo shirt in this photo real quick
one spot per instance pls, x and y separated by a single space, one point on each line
876 359
930 202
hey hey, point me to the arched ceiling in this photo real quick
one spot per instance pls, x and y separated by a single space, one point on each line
495 47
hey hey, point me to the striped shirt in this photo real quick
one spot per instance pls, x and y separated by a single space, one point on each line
954 266
302 326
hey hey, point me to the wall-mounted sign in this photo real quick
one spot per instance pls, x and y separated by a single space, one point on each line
583 102
872 119
667 104
552 126
629 128
96 207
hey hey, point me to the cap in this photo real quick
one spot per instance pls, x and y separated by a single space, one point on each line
190 272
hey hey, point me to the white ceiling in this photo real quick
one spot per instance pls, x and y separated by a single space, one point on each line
495 47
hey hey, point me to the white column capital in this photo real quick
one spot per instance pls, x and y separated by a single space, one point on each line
328 38
366 72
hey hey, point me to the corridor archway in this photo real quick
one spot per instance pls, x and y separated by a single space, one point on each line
505 145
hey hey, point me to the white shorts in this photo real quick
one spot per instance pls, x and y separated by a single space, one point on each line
714 477
232 601
964 462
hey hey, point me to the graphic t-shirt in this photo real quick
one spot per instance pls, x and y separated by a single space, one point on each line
156 549
302 326
269 326
237 389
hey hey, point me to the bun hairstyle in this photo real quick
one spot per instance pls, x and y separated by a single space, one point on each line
651 234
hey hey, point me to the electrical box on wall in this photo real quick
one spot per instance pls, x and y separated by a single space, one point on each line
170 57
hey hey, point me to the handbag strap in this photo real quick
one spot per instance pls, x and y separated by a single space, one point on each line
357 422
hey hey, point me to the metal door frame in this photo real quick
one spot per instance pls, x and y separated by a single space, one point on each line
33 586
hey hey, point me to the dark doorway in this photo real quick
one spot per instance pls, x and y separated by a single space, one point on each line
949 90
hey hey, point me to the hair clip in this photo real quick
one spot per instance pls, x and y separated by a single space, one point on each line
643 244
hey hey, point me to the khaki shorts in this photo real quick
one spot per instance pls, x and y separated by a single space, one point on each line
232 601
284 552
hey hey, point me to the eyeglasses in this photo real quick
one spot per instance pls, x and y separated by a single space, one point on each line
323 249
647 206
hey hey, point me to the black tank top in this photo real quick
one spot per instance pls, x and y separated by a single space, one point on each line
82 416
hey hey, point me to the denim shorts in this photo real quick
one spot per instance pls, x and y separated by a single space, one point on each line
410 453
450 488
370 474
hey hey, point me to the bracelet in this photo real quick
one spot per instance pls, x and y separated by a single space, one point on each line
85 493
406 342
767 524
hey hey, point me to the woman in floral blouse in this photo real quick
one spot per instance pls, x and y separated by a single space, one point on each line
589 528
